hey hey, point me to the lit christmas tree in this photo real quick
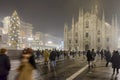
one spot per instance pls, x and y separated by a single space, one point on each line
14 31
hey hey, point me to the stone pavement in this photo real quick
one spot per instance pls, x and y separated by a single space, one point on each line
64 69
100 72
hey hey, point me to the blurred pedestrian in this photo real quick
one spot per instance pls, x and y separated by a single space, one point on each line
58 54
115 62
4 64
46 56
89 58
27 65
84 54
38 55
102 54
52 58
107 57
93 57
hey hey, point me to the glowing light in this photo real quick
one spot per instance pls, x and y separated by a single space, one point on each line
30 39
50 42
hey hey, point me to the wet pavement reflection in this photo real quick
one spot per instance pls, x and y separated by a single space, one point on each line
100 72
64 69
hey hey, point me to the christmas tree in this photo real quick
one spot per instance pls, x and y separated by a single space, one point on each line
14 31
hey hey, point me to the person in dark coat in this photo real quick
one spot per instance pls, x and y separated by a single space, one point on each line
52 58
102 54
32 58
27 65
89 58
58 54
93 58
37 55
115 62
4 64
107 57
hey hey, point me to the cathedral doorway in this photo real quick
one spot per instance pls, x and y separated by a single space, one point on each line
86 47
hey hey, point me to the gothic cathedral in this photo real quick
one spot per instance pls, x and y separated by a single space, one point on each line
91 32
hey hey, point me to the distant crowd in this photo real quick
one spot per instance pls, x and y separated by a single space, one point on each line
29 58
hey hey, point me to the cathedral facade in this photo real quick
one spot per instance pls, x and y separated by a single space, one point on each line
91 32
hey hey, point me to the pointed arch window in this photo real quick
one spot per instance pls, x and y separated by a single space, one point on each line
86 34
76 41
69 48
69 41
76 34
99 32
98 39
87 24
107 39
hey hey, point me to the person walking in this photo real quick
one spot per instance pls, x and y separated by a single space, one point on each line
89 58
4 64
46 56
37 55
115 62
102 54
107 57
93 57
27 65
52 58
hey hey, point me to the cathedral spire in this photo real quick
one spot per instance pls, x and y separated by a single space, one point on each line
96 7
113 24
79 12
92 10
73 21
65 35
65 28
82 12
65 25
103 16
116 21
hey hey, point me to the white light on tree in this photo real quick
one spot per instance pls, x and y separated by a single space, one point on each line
12 38
50 42
30 39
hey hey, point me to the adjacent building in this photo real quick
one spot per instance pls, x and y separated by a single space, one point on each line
16 34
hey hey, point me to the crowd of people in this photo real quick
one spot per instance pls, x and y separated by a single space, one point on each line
29 57
106 55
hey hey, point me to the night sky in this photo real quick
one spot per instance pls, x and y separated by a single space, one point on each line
49 16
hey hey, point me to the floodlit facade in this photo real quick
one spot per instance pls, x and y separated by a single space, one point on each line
91 32
26 34
51 42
